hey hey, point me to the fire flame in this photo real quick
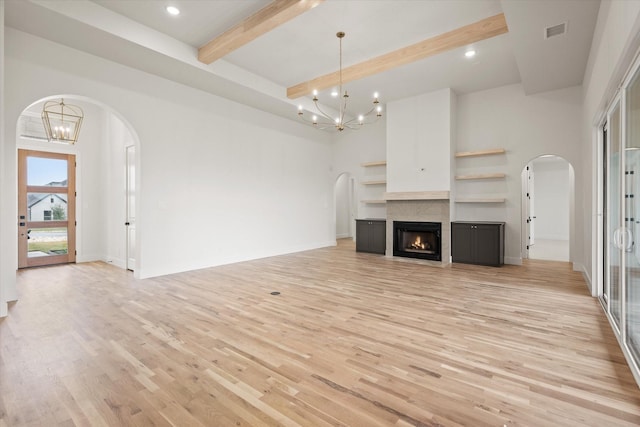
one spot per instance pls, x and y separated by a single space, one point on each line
417 244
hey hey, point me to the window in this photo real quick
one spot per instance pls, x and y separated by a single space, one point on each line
47 215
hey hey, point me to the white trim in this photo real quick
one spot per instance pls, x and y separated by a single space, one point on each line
581 269
597 221
512 260
118 262
633 366
5 269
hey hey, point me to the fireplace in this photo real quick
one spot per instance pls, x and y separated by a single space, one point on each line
417 240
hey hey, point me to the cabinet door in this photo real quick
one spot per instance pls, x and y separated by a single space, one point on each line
462 249
487 242
378 237
362 236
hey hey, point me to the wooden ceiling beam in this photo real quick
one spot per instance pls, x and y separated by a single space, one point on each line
266 19
463 36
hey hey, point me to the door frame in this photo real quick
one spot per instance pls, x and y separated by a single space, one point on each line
524 206
602 264
24 224
130 214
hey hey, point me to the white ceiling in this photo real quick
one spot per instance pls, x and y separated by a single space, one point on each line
140 34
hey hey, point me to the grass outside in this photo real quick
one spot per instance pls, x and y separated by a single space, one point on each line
59 247
50 240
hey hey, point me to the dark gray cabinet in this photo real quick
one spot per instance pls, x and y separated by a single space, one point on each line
477 242
371 235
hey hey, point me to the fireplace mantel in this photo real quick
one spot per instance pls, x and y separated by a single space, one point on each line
417 195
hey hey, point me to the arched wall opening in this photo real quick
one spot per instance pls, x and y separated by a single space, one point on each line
104 200
548 208
344 205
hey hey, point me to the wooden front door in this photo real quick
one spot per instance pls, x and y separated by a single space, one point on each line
46 208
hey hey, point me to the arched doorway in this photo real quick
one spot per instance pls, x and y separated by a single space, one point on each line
106 184
547 208
343 192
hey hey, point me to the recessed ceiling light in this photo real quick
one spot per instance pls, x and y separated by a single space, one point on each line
173 10
470 53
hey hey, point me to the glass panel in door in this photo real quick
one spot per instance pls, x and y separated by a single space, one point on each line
48 172
632 205
47 242
46 208
614 219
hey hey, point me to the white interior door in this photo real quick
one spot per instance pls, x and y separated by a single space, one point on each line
532 214
130 223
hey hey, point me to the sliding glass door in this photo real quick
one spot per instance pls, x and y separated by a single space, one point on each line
621 213
632 209
614 201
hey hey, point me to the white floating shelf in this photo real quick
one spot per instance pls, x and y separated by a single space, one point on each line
374 202
380 182
417 195
482 176
378 163
485 200
481 152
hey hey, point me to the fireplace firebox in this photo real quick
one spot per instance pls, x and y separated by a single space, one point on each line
417 240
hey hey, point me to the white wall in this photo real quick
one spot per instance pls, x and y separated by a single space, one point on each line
343 215
214 174
527 127
551 198
350 150
117 137
419 142
615 42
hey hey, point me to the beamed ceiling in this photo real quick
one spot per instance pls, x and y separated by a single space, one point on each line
272 54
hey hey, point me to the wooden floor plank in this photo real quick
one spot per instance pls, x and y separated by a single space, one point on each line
352 339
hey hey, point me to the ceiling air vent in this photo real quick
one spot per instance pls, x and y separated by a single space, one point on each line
555 30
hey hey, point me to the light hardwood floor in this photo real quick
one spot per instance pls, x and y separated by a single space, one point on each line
352 340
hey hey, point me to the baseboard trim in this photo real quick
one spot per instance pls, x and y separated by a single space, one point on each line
587 278
513 260
117 262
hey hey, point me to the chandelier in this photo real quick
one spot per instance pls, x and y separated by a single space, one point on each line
343 121
61 121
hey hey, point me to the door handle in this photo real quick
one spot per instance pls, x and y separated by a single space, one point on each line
629 240
616 238
127 223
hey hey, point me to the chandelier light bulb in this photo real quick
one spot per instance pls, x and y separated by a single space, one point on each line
315 92
337 120
334 93
375 95
360 117
470 53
